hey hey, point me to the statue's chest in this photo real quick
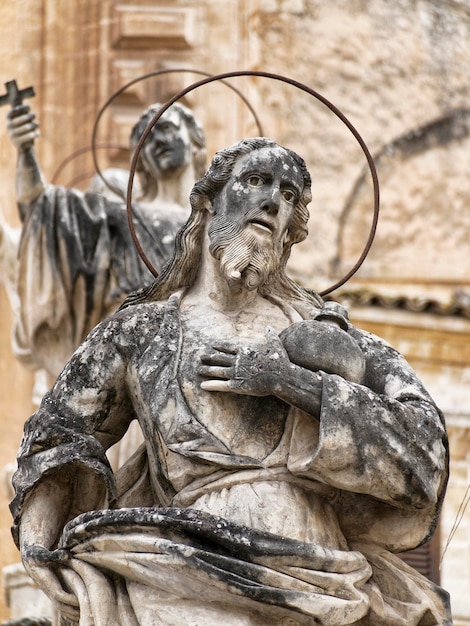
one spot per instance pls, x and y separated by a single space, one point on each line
247 425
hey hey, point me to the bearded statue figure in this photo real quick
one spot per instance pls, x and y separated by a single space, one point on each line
281 470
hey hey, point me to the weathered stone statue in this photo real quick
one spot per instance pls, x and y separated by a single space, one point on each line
77 260
287 454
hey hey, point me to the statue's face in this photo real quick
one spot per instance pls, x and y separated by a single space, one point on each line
252 214
262 193
168 147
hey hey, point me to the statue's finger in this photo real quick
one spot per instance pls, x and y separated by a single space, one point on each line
213 371
48 580
21 137
24 140
20 109
216 385
218 358
23 130
67 598
226 346
15 122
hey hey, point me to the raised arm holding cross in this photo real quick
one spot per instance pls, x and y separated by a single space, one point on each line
23 130
77 256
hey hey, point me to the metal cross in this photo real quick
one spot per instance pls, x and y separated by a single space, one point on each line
15 96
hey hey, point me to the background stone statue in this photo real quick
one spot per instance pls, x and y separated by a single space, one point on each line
272 487
77 260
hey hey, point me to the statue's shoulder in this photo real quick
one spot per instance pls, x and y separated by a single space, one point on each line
371 343
141 314
386 366
132 325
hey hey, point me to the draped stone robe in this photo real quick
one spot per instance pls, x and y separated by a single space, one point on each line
191 533
77 262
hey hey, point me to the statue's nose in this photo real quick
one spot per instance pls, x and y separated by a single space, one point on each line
272 201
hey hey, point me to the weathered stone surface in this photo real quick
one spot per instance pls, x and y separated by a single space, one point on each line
263 489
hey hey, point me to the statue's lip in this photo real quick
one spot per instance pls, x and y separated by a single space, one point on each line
263 225
162 151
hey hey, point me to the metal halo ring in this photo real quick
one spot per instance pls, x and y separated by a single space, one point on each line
300 86
79 152
119 91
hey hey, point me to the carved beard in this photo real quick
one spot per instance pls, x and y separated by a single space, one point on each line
241 254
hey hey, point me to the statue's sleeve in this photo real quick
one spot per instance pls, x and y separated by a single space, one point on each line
87 411
63 275
384 439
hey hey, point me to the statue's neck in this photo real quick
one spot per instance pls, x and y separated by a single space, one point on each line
172 188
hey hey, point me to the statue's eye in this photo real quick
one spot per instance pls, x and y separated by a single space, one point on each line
164 127
289 195
254 180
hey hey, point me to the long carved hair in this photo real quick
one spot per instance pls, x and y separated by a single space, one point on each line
181 270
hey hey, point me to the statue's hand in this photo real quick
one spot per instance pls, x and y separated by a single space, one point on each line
253 371
22 127
43 566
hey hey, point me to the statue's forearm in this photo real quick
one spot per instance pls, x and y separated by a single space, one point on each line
301 388
45 513
30 181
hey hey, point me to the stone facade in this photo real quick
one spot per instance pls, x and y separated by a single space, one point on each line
398 70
